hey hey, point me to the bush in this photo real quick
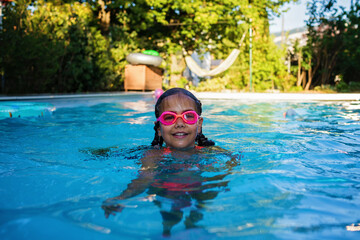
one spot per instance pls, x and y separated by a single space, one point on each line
56 48
354 86
342 87
296 89
213 85
325 88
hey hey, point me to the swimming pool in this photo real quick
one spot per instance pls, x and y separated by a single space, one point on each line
296 178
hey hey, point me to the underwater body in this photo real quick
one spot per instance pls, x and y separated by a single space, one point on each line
87 170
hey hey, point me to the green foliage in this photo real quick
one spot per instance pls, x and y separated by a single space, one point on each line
269 70
28 58
55 48
327 88
349 58
215 84
354 86
333 43
295 89
79 46
342 87
182 82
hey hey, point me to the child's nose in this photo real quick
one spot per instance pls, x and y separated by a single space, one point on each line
179 122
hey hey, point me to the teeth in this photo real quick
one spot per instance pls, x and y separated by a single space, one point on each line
180 134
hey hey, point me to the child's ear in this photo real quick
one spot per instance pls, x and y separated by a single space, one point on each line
200 122
159 131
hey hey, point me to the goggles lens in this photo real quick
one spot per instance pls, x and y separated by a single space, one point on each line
169 118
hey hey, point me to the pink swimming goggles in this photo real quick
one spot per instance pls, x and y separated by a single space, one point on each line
169 118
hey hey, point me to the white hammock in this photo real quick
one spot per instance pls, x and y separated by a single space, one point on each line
195 68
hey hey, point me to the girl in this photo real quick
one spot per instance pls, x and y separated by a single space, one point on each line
179 121
181 178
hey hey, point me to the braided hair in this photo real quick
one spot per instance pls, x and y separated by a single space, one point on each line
200 138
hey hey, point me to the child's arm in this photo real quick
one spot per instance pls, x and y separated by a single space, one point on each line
135 187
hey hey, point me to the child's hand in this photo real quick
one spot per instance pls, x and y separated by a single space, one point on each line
110 209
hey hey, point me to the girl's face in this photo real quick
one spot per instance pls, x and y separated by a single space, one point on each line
179 135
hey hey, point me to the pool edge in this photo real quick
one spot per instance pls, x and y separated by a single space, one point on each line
206 96
280 96
69 96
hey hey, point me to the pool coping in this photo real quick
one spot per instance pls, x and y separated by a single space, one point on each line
280 96
206 96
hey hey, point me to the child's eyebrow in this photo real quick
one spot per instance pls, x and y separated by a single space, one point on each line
182 111
188 110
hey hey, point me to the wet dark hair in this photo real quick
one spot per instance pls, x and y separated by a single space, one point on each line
200 138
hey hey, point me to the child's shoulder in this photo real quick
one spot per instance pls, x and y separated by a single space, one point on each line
212 149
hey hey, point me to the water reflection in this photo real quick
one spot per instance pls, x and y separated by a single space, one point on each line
179 183
136 107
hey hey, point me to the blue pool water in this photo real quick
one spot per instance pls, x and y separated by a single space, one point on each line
268 178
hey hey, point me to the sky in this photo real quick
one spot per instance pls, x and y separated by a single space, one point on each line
296 15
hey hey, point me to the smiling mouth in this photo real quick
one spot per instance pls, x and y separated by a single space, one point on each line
180 135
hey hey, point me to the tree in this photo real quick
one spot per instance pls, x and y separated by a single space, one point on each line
56 47
349 59
70 46
332 42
